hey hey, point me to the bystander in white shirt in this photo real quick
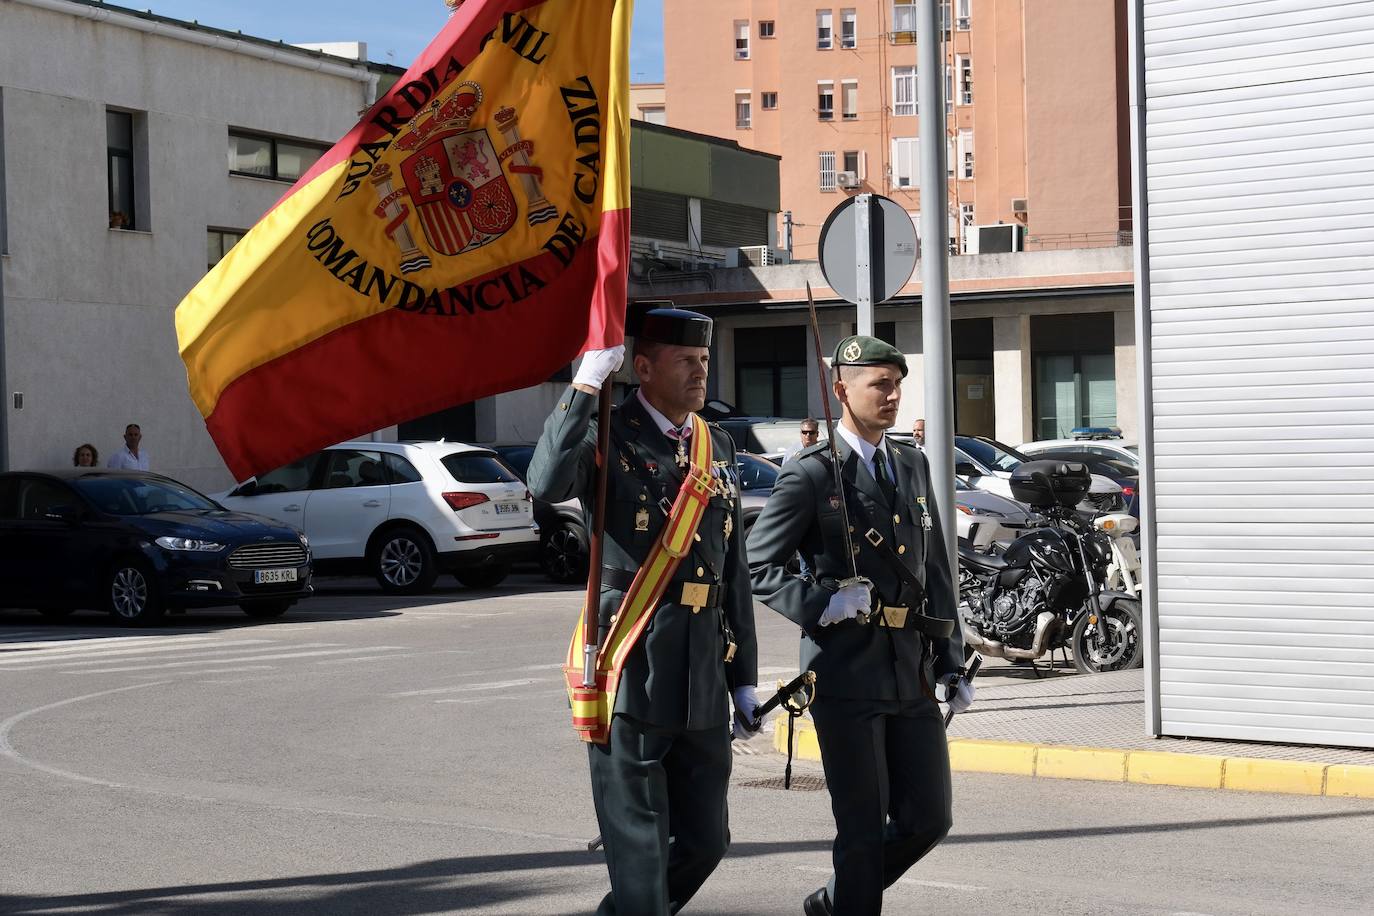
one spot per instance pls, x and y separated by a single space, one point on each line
125 460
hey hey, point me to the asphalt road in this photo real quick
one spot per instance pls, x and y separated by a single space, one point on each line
381 756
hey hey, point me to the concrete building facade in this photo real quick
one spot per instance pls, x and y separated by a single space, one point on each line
1037 121
135 150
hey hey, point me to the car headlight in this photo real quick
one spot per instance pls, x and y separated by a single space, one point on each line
167 543
305 541
984 513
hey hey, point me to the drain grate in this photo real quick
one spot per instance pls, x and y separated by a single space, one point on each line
799 783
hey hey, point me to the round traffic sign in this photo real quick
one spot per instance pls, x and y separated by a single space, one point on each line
868 237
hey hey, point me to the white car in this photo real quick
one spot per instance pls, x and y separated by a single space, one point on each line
403 511
1114 448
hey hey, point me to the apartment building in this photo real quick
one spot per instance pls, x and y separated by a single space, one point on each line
1036 109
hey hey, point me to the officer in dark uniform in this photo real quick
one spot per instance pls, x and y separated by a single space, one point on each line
666 767
880 650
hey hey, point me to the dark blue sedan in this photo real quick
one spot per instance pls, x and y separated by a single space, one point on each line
138 545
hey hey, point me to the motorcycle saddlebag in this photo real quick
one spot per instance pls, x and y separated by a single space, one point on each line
1069 482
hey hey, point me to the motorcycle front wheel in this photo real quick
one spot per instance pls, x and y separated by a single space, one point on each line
1122 649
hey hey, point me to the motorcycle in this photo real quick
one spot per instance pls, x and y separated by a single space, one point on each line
1047 591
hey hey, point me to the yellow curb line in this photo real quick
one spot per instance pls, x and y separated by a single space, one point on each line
1156 768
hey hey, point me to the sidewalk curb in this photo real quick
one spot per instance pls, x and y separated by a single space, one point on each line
1155 768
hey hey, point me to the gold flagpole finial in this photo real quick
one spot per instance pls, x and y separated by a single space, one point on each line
453 5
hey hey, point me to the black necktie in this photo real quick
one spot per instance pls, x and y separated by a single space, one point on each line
880 475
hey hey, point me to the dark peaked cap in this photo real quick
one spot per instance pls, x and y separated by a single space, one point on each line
677 327
860 350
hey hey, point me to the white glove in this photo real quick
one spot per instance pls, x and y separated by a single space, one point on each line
746 702
847 603
958 695
599 365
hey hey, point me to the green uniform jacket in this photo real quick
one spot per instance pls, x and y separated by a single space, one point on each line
851 659
676 677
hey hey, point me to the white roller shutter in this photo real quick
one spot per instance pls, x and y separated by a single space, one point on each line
1258 159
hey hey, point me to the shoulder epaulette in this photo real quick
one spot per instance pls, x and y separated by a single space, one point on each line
822 447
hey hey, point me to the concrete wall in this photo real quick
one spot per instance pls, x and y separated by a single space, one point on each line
88 310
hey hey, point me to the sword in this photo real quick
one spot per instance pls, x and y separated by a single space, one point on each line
855 578
803 685
968 674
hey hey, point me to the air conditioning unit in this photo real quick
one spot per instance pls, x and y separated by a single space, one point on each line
763 256
998 239
847 179
1018 206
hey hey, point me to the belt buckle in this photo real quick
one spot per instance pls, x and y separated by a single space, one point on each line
696 595
892 616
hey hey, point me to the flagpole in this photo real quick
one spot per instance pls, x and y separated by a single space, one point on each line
591 616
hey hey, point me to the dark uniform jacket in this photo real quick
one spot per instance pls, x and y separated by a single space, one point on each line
851 659
676 677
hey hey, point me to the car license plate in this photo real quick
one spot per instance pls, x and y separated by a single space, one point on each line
266 576
507 508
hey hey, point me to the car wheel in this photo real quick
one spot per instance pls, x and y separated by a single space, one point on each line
487 576
264 609
132 596
564 554
403 562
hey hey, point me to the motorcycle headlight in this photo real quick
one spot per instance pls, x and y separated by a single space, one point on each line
168 543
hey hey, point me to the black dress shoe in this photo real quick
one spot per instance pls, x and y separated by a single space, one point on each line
818 904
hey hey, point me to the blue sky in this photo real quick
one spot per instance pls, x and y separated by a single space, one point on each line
395 30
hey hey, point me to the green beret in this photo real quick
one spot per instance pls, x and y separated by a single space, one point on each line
861 350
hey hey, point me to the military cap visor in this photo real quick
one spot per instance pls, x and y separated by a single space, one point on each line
860 350
677 327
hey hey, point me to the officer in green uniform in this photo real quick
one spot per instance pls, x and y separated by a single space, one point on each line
664 772
879 645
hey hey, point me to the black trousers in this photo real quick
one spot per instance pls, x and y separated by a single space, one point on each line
650 785
887 768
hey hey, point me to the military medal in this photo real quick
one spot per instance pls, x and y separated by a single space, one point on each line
925 513
642 519
682 460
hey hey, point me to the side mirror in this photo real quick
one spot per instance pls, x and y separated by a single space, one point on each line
965 469
69 514
247 488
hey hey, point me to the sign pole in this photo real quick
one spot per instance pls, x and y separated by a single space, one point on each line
935 331
864 266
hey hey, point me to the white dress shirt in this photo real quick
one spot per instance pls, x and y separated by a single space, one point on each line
866 449
665 425
125 460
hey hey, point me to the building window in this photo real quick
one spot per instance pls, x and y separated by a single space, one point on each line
768 101
262 156
219 241
855 167
904 22
965 150
965 225
741 39
828 170
964 21
849 29
653 114
944 16
743 109
825 100
119 168
849 100
770 371
965 80
906 152
766 29
825 38
904 90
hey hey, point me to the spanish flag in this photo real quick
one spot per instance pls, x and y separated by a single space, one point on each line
469 236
